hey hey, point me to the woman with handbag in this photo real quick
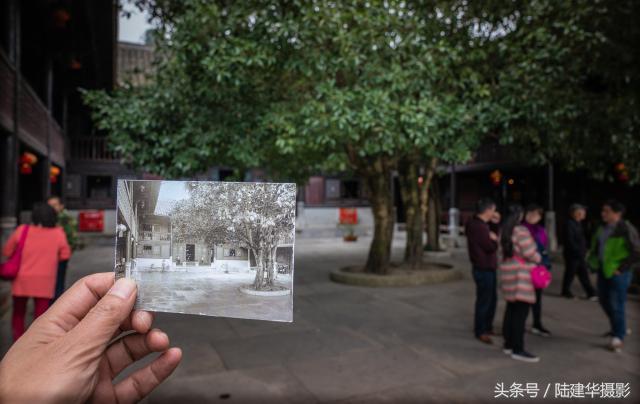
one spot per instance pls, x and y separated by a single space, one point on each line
520 257
532 218
40 246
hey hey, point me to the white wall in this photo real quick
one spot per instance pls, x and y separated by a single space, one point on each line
323 221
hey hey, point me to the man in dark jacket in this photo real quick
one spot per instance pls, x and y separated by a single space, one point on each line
482 243
575 254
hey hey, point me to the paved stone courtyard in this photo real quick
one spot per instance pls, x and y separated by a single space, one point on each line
359 345
210 293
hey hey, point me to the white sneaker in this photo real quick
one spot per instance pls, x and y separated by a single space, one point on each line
616 344
507 351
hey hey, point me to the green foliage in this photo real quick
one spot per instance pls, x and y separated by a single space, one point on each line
568 83
290 85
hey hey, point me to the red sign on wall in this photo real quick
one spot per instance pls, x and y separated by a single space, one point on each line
348 216
91 220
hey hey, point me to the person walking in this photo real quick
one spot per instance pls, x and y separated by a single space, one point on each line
520 256
532 218
45 245
614 253
482 243
575 254
69 225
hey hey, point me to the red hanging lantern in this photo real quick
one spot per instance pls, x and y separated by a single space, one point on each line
622 173
53 174
496 177
75 64
25 168
27 161
28 158
60 18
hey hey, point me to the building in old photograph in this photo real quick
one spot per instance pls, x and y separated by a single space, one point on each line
144 239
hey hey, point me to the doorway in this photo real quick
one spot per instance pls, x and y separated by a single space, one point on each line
190 254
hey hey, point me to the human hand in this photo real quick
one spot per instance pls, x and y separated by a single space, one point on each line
493 236
69 353
495 218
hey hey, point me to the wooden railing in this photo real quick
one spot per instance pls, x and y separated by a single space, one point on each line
94 148
151 235
36 122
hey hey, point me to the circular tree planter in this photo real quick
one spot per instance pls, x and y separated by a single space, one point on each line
437 254
430 273
274 291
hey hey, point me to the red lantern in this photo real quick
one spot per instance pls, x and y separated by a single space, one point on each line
25 169
61 17
28 158
496 177
621 172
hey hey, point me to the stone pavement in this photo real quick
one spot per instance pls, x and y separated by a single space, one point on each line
211 293
360 345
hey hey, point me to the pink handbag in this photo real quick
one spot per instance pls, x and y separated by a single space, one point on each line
9 270
540 275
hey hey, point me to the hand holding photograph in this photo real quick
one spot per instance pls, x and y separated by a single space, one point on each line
209 248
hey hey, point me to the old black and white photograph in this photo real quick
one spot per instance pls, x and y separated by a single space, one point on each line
209 248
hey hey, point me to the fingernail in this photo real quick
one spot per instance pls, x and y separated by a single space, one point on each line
123 288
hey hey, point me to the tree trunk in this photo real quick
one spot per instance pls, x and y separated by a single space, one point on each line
425 187
378 182
376 172
433 218
257 284
271 265
408 175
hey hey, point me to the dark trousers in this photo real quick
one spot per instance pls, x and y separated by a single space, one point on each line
486 300
612 295
60 279
536 308
515 317
573 267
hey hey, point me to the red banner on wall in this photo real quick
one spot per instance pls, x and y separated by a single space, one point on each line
91 220
348 216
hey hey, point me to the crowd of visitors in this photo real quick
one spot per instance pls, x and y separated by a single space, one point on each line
518 249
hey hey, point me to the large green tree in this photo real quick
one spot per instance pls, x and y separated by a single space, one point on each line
377 86
293 86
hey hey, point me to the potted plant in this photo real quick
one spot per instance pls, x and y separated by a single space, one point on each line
349 232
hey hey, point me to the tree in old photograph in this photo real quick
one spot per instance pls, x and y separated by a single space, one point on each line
258 217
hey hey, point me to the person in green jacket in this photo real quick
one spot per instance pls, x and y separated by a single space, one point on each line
614 254
69 224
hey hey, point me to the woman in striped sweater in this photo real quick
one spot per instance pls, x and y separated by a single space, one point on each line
520 255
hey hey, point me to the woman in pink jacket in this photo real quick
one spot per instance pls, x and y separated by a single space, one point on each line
45 245
520 256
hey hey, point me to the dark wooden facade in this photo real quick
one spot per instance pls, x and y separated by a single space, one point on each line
49 50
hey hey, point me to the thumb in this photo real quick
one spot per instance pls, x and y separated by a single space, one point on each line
99 325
